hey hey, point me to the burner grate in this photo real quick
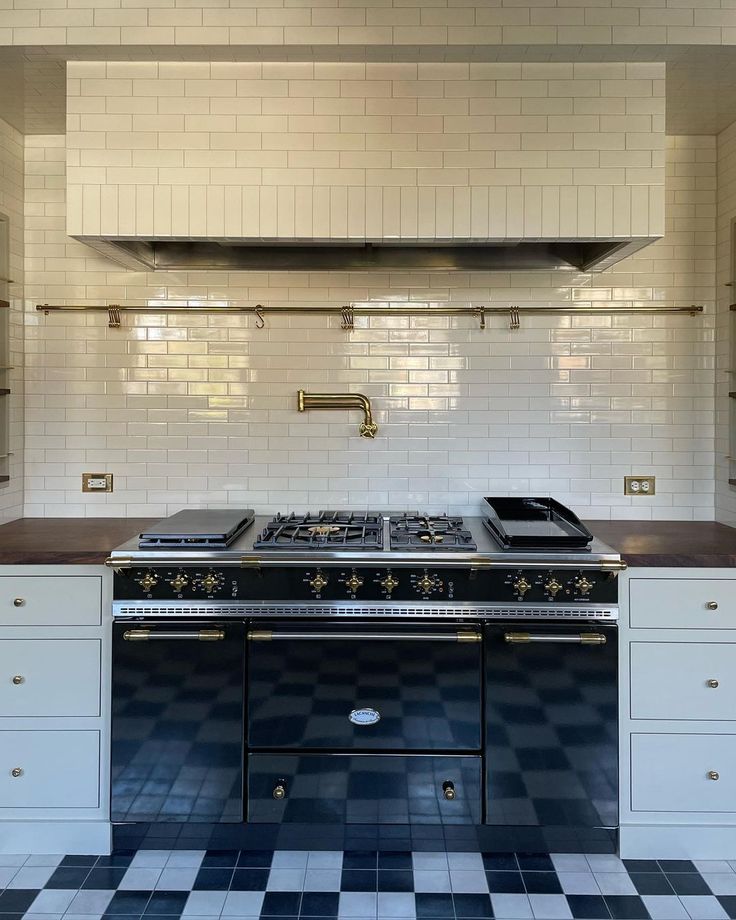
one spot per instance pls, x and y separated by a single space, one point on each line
325 530
441 532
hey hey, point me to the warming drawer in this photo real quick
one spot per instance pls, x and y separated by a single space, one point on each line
364 789
411 688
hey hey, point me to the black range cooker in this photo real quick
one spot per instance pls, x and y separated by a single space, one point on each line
320 679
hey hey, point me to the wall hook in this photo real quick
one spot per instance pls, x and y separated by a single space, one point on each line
348 318
260 318
113 316
514 318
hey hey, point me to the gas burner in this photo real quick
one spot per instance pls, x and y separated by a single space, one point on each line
333 530
415 531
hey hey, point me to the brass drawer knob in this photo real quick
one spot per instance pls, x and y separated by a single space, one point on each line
16 772
19 602
712 605
448 790
713 683
18 679
714 775
279 791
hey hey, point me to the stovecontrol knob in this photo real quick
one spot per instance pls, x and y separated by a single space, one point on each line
521 585
318 582
210 582
582 585
428 583
147 581
389 583
552 587
353 583
179 581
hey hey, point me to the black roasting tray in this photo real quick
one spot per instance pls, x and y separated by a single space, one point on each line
534 523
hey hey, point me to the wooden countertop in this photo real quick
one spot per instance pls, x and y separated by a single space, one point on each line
88 541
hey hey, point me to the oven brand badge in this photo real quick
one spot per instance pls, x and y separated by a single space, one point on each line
364 716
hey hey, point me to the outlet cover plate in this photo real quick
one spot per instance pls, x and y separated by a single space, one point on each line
639 485
96 482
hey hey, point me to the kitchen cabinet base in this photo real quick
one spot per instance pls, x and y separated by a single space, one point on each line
71 837
678 841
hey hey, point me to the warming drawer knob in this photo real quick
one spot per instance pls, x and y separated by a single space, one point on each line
178 582
714 775
582 585
712 605
389 583
318 582
16 772
713 684
18 679
147 581
279 791
521 586
553 587
19 601
353 583
448 790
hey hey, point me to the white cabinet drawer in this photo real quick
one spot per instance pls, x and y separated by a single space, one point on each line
672 773
48 677
683 680
50 600
683 603
59 769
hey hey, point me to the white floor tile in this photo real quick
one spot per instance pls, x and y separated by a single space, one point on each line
49 859
703 907
286 879
324 859
578 882
396 904
712 866
150 859
90 902
176 879
465 861
31 877
182 859
429 860
511 906
139 879
8 859
604 862
431 880
323 879
550 906
289 859
243 903
204 903
614 883
722 883
665 907
468 881
570 862
357 904
52 901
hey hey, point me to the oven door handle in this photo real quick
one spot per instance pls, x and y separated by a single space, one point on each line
525 638
151 635
461 635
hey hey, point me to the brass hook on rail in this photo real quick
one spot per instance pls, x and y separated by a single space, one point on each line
514 318
113 316
260 318
348 318
482 316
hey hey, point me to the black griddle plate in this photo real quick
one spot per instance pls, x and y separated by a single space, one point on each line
205 528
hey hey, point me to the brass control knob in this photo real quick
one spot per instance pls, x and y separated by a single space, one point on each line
179 581
713 683
16 772
353 583
318 582
210 582
18 680
279 791
521 585
714 775
389 583
712 605
553 587
428 583
582 585
19 602
448 790
147 581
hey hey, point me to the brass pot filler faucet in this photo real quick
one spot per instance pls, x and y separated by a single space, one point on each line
368 427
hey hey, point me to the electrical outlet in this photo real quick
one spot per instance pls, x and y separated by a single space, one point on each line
638 485
96 482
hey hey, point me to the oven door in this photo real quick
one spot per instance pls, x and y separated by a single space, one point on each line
552 724
372 688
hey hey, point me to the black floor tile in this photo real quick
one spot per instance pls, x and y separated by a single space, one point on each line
588 906
472 905
79 861
395 880
119 917
394 860
688 883
626 907
255 859
542 882
67 877
642 865
319 904
219 859
167 902
281 904
676 865
118 860
651 883
17 900
128 902
104 879
434 906
535 862
506 882
249 880
501 862
359 880
728 903
213 879
360 859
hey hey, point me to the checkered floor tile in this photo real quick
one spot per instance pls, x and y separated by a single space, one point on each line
361 884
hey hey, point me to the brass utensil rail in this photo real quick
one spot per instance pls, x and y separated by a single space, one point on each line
349 312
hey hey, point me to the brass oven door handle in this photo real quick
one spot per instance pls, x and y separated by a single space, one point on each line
525 638
461 635
150 635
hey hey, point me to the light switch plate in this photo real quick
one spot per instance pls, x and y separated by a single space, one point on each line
96 482
638 485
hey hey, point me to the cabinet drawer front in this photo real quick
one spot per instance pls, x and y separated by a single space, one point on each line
45 677
59 769
363 789
683 603
683 680
672 773
50 600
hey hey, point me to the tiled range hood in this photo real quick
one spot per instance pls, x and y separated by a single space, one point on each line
240 166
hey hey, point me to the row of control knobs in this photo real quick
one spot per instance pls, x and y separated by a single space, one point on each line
389 583
207 583
581 585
